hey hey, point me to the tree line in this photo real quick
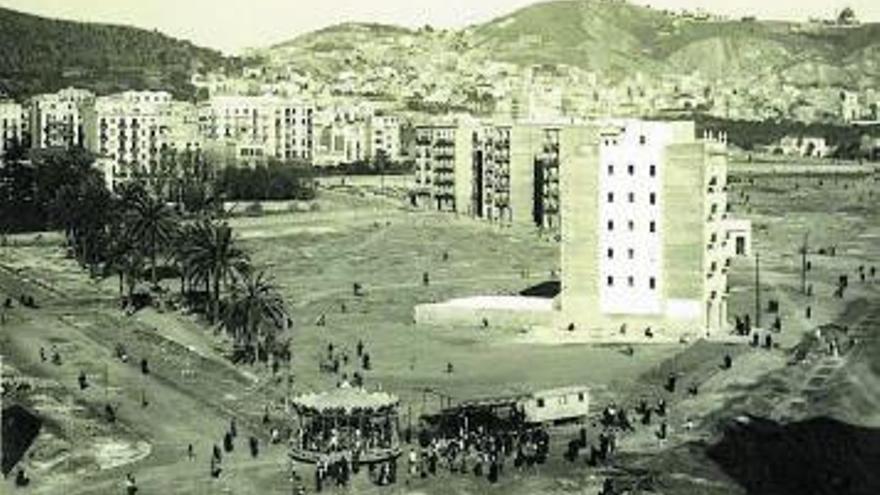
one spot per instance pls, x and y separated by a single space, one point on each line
135 234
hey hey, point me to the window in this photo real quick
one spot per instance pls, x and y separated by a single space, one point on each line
631 253
610 225
632 197
740 245
631 225
631 169
643 140
653 227
580 396
653 170
540 402
610 281
611 197
652 283
610 253
653 198
631 281
610 169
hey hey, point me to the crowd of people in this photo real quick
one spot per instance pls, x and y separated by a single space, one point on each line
482 451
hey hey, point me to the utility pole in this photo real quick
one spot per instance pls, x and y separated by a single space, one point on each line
757 290
804 264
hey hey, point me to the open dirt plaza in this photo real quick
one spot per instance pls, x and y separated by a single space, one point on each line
356 235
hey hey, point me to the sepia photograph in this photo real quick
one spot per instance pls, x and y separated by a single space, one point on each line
438 247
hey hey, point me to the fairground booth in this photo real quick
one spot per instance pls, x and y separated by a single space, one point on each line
346 421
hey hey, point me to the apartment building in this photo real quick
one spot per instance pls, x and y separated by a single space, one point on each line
249 130
341 142
645 233
443 168
10 124
384 136
503 173
55 119
516 174
125 131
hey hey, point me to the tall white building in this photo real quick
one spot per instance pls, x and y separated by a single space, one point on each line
10 124
646 238
253 129
55 119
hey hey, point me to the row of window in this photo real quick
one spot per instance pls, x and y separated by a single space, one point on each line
631 170
631 197
630 253
631 282
631 226
643 140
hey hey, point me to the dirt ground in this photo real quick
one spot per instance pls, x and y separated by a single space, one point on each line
354 236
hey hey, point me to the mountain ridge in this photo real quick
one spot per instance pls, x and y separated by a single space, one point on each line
43 54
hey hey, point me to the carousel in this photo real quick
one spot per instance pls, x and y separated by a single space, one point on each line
346 422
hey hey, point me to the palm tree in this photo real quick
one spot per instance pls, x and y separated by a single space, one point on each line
255 314
210 256
151 224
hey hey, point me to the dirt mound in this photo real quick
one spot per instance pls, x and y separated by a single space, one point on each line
818 456
20 428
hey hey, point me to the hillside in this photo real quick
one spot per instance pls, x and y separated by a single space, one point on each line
616 39
612 37
40 54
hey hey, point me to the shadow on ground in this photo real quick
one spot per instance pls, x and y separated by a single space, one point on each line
816 456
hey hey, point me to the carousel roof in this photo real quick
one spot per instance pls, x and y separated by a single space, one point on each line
346 398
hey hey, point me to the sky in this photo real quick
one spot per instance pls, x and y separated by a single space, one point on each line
233 25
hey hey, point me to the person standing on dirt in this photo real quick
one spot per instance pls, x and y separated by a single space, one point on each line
130 484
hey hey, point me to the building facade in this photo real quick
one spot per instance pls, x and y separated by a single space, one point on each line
644 229
249 130
10 125
503 173
384 137
443 170
55 119
126 131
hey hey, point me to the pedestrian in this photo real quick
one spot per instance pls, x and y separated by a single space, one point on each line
365 362
728 362
42 354
145 366
255 446
232 429
21 478
83 381
130 484
190 452
360 347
